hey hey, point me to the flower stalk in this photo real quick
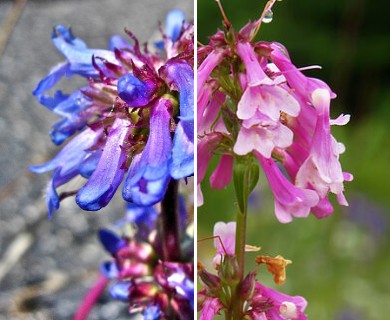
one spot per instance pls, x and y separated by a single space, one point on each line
91 298
237 302
246 175
170 223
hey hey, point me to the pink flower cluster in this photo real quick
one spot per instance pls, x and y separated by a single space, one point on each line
253 101
259 301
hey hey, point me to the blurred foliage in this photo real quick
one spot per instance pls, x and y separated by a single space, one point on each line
340 264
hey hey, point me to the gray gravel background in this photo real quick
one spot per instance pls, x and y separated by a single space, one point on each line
47 266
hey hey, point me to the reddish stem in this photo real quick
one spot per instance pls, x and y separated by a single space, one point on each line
91 298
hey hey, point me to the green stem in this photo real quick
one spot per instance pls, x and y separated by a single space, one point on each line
240 242
237 302
245 179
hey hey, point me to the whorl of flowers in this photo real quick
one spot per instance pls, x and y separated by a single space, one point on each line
132 121
151 286
256 106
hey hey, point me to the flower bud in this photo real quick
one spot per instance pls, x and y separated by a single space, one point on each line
135 92
247 286
210 281
229 270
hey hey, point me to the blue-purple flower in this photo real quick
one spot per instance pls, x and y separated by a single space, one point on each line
132 122
150 285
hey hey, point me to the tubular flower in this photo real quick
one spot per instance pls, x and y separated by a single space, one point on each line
254 103
133 122
257 301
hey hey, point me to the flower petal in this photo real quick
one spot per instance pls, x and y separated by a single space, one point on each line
106 178
180 76
174 24
147 179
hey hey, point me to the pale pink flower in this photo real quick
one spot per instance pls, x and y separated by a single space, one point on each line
262 134
224 233
261 92
322 169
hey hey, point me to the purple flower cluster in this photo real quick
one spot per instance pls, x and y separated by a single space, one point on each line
132 122
156 288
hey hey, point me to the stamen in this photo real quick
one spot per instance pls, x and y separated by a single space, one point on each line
293 70
310 67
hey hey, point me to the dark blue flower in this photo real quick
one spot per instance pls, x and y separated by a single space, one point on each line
109 269
102 184
132 111
135 92
111 242
180 76
148 176
144 217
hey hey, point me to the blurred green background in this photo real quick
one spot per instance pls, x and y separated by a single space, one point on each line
341 264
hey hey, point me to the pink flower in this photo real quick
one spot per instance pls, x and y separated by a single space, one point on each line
262 134
206 147
280 306
303 85
225 240
322 169
207 66
209 307
290 200
262 105
206 118
254 72
261 93
222 175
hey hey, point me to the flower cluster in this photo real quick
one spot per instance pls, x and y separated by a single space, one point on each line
133 121
254 103
156 288
255 300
